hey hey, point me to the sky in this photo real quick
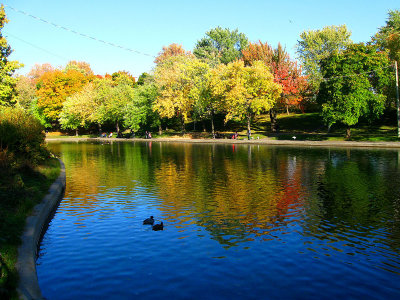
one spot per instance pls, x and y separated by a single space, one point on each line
139 29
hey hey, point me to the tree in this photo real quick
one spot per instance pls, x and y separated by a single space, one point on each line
285 71
139 111
244 91
38 70
180 80
356 85
388 36
7 68
79 110
79 66
221 45
315 45
26 91
54 88
171 50
123 77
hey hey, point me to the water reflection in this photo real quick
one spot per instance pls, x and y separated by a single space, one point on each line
333 205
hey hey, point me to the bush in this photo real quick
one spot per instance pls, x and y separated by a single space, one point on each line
21 138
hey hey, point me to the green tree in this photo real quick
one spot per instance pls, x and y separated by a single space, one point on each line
356 85
7 68
221 45
315 45
139 111
244 91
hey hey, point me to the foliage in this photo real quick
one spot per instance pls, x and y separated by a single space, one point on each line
38 70
315 45
54 88
244 91
139 111
143 78
79 109
180 81
26 91
7 68
79 66
123 77
171 50
388 36
21 136
357 85
221 45
285 71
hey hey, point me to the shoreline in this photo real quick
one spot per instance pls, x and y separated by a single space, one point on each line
36 225
336 144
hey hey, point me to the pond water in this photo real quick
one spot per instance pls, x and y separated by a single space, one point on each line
240 222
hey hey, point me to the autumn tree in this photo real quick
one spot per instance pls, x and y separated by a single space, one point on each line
180 80
285 71
26 91
388 36
79 66
356 85
38 70
244 91
80 109
54 88
221 45
171 50
315 45
7 68
123 77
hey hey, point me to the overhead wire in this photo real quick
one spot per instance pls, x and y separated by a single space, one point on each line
78 33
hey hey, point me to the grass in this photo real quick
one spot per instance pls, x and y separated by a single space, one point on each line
20 191
305 127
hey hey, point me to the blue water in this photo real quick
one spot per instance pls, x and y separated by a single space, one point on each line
241 222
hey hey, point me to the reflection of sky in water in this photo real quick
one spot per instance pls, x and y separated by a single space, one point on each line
243 221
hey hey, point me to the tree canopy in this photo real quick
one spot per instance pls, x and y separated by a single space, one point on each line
315 45
7 68
388 36
356 87
221 45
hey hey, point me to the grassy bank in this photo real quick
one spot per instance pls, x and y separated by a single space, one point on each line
20 190
305 127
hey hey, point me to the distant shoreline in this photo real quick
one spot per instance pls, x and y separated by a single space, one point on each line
340 144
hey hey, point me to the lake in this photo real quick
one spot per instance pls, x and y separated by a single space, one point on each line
240 222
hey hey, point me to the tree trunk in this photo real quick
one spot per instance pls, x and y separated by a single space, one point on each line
248 126
274 121
117 127
76 132
99 125
183 126
212 124
159 130
287 109
348 132
204 126
194 125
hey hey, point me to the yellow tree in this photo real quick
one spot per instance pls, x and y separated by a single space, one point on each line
180 81
244 91
53 89
171 50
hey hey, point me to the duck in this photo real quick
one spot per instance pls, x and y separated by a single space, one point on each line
158 226
149 221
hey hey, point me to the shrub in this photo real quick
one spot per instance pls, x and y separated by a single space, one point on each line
21 137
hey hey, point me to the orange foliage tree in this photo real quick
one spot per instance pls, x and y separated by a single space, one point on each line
171 50
54 87
286 72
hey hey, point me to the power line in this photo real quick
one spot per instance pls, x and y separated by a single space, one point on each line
78 33
37 47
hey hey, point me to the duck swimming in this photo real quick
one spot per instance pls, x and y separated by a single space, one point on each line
158 226
149 221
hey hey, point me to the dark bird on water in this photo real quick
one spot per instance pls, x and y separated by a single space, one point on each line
149 221
158 226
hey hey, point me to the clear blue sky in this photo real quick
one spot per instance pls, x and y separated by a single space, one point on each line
148 25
